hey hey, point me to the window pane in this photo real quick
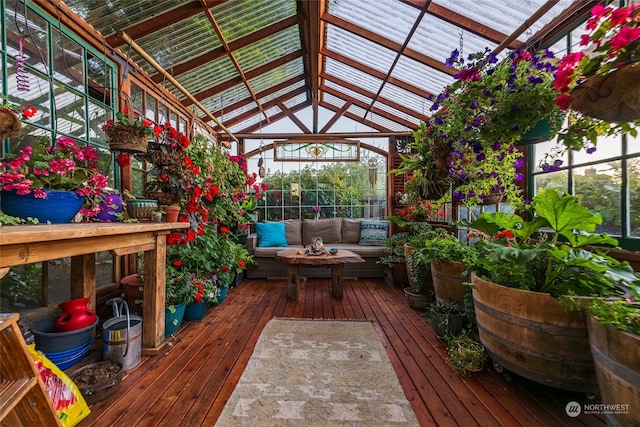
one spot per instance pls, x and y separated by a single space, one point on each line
99 79
98 115
68 60
541 149
32 32
558 180
70 112
598 188
633 144
606 149
633 177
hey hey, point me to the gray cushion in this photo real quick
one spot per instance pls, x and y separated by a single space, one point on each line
350 230
329 229
293 231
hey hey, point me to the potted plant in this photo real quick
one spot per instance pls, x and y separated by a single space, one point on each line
480 117
597 86
614 337
52 183
447 319
448 258
129 133
465 354
395 261
521 275
11 115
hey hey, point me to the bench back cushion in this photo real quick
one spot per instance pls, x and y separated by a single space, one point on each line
271 234
350 231
329 229
293 230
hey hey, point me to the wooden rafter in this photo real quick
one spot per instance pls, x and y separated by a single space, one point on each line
356 118
336 117
525 25
292 116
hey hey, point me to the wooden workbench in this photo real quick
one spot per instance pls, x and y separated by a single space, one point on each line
26 244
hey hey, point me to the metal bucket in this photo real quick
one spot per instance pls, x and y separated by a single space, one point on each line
122 336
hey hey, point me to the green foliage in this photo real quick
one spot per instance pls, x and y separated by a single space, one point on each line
620 313
445 246
396 243
465 354
557 261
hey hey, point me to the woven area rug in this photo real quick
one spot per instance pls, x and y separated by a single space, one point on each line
325 373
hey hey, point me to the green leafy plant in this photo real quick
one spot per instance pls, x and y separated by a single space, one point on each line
396 244
445 246
553 252
465 355
622 313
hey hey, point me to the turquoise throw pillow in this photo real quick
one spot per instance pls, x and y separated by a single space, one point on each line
271 234
373 232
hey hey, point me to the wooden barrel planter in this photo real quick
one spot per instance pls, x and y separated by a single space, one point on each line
447 281
531 335
616 356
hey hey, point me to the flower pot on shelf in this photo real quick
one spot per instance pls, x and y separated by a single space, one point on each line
612 97
222 294
110 206
58 207
616 357
10 124
127 139
141 208
173 316
530 334
171 213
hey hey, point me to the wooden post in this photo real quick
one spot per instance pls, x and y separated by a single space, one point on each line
83 278
154 297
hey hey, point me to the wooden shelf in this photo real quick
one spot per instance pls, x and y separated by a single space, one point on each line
23 397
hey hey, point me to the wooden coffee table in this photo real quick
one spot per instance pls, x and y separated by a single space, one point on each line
296 258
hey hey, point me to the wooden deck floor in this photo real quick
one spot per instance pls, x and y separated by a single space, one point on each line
190 383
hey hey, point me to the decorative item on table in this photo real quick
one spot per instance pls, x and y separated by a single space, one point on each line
333 251
10 115
141 208
316 247
129 133
111 207
63 171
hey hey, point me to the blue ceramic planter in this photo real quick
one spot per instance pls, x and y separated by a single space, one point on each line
58 208
195 310
173 316
222 294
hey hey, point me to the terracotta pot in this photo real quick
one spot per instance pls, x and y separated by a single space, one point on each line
171 213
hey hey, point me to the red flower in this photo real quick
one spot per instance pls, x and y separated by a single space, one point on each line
563 101
164 177
29 111
241 263
506 233
224 269
123 159
177 263
224 230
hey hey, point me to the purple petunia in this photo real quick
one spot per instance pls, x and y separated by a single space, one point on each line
518 164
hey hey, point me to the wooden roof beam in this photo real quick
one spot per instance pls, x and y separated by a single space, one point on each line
525 25
356 118
336 117
292 116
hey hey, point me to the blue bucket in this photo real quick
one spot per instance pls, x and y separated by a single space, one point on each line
65 359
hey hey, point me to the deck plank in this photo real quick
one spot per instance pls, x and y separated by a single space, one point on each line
190 384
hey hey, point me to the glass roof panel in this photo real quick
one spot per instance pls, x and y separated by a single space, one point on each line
352 75
348 92
295 101
277 75
437 39
377 119
109 17
507 16
230 115
410 100
269 48
390 18
420 75
409 120
282 92
359 49
230 96
180 42
208 75
237 18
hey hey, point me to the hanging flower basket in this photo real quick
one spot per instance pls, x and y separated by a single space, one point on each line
162 197
127 139
10 124
160 158
612 97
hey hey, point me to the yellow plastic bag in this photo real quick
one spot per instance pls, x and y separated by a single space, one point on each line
65 396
